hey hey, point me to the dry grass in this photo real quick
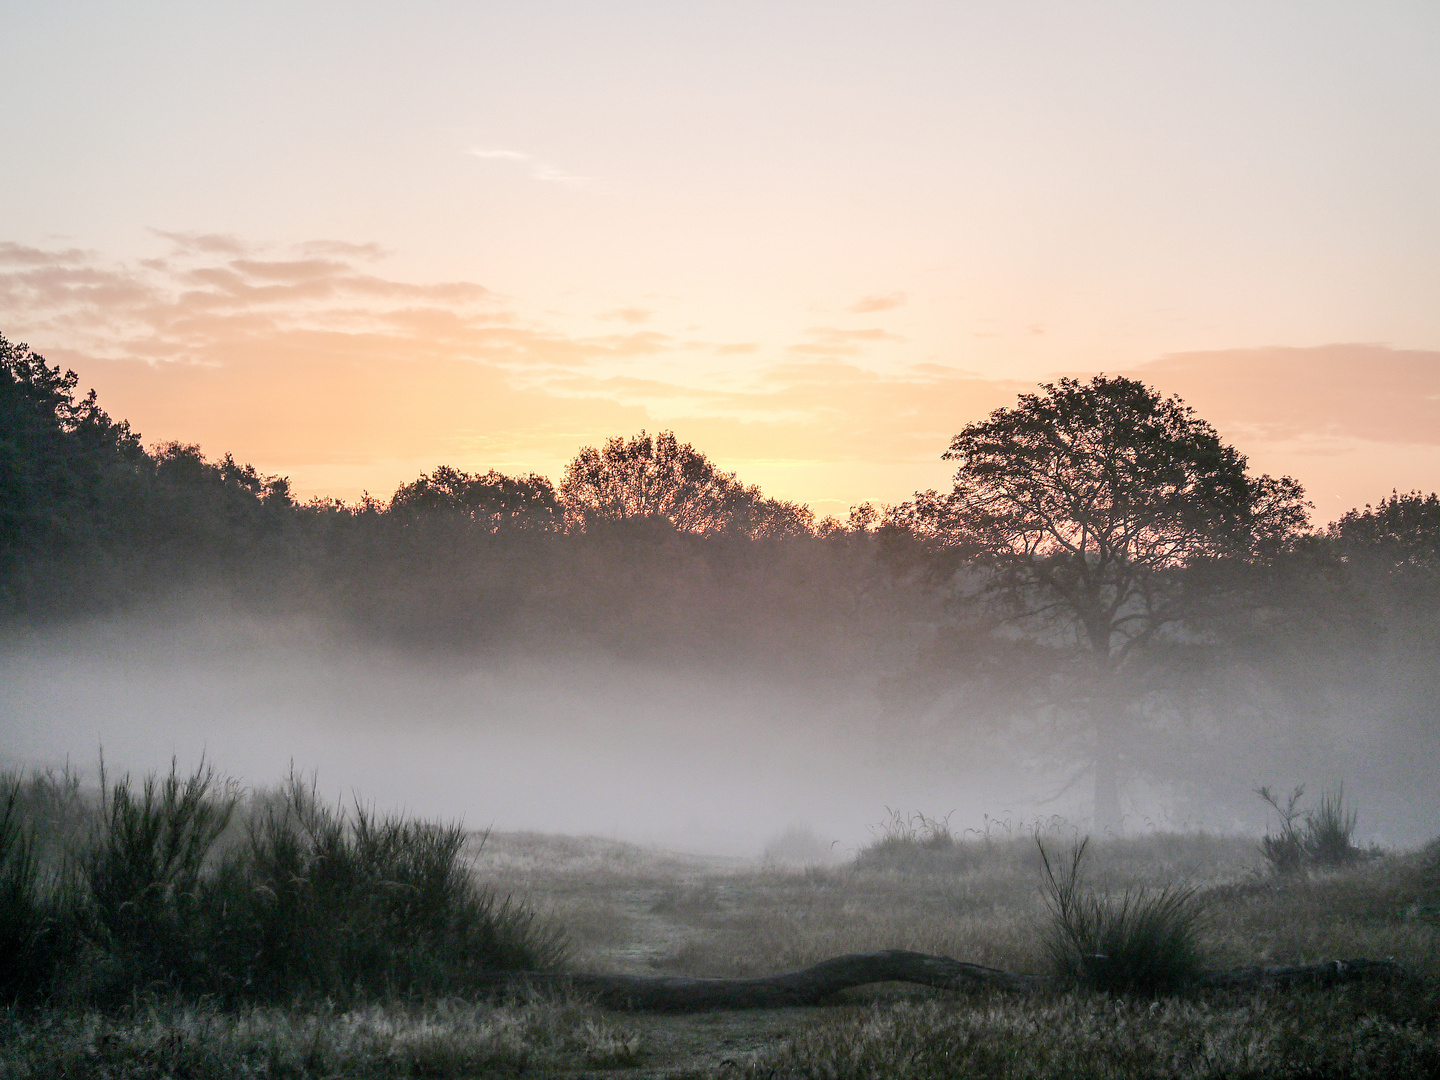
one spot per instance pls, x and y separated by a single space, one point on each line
638 910
981 900
1304 1034
447 1039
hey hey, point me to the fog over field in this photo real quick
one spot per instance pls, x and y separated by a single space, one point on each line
696 759
715 758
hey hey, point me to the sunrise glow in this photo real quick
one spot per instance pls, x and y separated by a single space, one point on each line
350 245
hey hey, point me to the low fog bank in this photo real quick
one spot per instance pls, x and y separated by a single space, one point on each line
702 760
716 760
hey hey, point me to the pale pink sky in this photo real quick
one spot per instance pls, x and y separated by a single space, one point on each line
352 242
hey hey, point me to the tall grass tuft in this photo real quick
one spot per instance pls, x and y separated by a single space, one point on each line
1330 832
325 904
1322 838
308 903
908 841
1144 942
22 906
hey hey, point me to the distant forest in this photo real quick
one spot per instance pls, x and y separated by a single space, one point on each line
645 548
647 551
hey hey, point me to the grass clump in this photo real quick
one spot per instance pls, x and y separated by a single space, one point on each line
1144 942
23 914
1322 838
158 896
905 841
1330 831
353 907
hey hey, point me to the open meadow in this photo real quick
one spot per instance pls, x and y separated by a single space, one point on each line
605 906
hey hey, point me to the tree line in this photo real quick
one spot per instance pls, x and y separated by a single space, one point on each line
1106 573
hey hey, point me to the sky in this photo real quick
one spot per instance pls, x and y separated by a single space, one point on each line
352 242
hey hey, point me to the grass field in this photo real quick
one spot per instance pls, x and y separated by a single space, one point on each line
628 909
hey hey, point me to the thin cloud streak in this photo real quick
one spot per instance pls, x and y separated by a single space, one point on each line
1341 391
538 169
870 304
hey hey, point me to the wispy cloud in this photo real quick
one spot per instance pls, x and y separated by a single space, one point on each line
885 302
630 315
1345 391
537 169
204 243
837 341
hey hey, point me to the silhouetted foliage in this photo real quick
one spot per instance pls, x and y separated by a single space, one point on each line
313 904
87 516
60 462
494 502
1086 513
663 479
1402 532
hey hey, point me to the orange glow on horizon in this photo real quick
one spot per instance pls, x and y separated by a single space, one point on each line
311 365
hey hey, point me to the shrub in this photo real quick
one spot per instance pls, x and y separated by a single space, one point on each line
907 840
1430 867
1145 942
142 875
1330 831
1322 838
1286 852
310 903
22 914
798 846
323 904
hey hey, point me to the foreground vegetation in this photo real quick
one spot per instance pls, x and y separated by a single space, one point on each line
371 981
145 889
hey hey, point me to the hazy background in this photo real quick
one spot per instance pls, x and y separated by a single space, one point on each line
718 758
706 760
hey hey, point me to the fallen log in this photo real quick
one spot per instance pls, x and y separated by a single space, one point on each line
1329 973
812 985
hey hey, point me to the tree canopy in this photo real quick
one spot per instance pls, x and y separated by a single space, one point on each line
1088 498
56 454
496 502
1105 574
1085 507
663 479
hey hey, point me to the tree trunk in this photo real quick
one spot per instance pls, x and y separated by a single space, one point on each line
808 986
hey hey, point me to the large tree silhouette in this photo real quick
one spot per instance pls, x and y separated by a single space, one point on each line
1091 509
